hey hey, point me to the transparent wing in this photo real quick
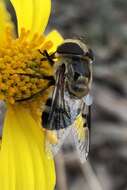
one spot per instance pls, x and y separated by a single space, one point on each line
80 133
64 110
62 126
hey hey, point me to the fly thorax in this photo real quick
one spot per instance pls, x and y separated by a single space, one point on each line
77 78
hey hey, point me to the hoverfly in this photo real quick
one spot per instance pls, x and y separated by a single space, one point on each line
68 110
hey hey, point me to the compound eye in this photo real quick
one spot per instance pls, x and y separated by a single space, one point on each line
70 48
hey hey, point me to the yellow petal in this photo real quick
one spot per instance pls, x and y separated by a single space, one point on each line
56 38
32 15
24 164
5 21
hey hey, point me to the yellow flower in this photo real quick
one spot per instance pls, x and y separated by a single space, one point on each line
24 164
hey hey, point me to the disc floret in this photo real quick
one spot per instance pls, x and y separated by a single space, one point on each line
21 66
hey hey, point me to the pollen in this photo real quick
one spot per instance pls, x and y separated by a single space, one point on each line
22 66
52 137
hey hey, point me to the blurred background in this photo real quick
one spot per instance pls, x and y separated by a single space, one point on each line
103 24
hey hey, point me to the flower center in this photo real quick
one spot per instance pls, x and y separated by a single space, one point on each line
22 66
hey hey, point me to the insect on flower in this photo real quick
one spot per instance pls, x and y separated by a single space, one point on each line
68 109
